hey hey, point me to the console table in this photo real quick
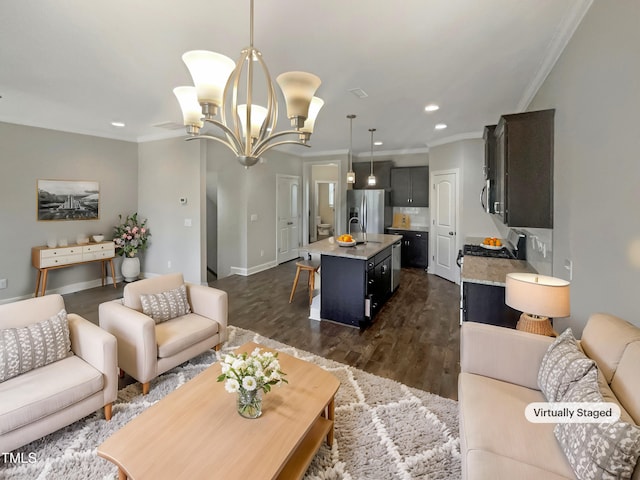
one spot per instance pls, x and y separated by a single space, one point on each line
45 259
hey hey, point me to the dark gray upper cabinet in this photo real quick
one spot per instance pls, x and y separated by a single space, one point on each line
410 187
381 169
524 169
490 166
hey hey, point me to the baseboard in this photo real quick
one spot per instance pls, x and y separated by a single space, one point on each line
245 272
65 289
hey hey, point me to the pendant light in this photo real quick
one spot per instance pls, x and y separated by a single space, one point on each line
351 175
371 180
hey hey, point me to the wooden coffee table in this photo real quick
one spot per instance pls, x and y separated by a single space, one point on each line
196 433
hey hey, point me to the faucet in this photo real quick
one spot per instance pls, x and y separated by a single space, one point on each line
363 231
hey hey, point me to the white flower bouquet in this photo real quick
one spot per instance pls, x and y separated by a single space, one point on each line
258 370
249 375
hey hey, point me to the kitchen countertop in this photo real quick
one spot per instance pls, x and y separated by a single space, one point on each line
376 242
416 228
490 270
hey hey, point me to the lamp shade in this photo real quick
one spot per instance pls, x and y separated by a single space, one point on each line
188 100
298 89
210 72
538 294
314 109
258 114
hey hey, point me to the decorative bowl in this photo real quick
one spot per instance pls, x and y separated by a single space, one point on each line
491 247
346 244
98 238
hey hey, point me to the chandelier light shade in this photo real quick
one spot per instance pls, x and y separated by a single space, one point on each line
191 110
210 72
226 88
314 109
538 297
351 175
298 89
371 179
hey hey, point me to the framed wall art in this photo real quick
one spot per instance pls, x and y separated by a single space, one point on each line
68 200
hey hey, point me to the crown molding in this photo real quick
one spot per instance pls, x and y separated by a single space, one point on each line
557 45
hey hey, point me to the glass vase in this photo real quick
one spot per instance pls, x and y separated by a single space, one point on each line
250 403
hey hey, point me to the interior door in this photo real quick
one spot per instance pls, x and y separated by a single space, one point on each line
288 218
445 225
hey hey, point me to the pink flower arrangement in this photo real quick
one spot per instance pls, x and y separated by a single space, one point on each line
131 236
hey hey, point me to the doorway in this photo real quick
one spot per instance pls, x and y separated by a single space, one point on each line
326 198
317 176
445 223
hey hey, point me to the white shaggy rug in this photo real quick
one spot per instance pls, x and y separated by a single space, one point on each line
384 430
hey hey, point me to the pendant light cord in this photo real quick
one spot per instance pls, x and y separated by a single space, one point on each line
372 130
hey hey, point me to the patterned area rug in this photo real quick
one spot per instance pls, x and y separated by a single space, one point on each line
384 430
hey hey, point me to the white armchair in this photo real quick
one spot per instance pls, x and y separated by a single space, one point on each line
45 399
147 349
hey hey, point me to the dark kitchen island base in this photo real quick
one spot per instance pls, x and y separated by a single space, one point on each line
355 281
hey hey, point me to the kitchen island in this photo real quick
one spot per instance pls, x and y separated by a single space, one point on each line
354 281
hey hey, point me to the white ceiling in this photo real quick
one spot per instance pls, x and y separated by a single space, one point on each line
77 65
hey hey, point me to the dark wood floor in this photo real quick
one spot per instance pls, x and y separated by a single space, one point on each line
414 339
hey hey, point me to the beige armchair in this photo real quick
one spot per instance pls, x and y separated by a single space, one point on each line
147 349
42 400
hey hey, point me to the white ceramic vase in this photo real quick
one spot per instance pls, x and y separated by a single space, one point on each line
130 268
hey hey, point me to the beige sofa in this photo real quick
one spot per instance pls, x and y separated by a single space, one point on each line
43 400
499 372
147 349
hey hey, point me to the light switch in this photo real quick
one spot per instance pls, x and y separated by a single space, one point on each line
187 222
254 217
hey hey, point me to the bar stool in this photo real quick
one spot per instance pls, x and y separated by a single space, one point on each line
308 266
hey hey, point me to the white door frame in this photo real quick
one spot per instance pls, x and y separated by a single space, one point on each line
280 176
307 193
336 202
433 206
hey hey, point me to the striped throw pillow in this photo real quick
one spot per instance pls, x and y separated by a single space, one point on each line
33 346
164 306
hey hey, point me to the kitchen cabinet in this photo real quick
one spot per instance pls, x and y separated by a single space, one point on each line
354 290
485 304
410 186
381 169
524 169
489 168
415 247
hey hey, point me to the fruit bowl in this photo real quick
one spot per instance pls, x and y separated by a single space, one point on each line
491 247
346 244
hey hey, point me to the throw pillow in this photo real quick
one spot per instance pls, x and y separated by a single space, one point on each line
164 306
33 346
562 365
597 450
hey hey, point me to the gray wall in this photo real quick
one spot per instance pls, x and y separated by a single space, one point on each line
594 88
29 154
168 170
468 156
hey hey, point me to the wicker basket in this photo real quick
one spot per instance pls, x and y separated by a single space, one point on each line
540 326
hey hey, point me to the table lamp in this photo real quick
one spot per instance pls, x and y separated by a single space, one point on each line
538 297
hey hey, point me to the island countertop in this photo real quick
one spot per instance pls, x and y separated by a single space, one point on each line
376 242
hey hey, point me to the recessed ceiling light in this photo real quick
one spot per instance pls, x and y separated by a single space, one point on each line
441 126
431 108
117 124
378 143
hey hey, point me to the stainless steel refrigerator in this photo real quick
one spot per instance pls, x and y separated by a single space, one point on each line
369 208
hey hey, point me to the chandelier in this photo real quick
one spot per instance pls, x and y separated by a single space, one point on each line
249 129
